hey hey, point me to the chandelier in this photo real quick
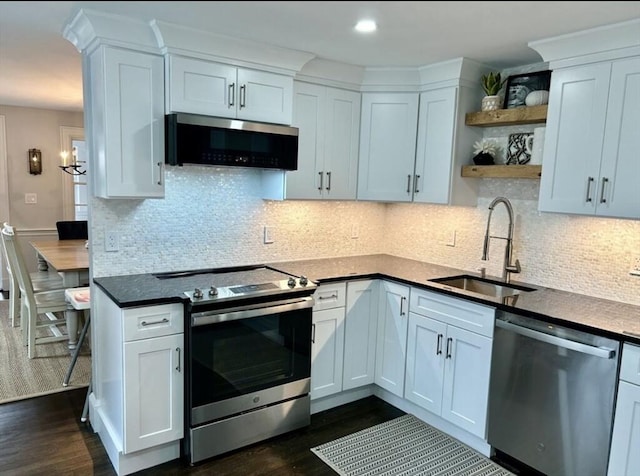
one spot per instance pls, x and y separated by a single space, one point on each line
73 168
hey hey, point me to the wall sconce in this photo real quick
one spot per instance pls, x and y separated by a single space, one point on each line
35 161
73 168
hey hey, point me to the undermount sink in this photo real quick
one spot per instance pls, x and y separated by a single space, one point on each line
486 287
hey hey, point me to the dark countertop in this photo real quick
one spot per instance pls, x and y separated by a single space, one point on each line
605 317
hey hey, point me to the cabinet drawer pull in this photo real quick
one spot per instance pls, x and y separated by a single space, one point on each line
328 180
604 182
232 95
163 321
178 366
409 183
589 181
439 345
449 342
333 296
321 175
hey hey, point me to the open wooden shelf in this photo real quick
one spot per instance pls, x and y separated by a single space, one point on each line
508 117
502 171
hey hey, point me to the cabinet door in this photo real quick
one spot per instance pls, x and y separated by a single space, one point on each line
265 97
309 118
619 189
342 134
574 138
327 352
201 87
391 347
153 392
434 154
361 324
388 128
466 380
624 459
130 155
425 362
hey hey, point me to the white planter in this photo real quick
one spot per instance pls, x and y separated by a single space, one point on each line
491 103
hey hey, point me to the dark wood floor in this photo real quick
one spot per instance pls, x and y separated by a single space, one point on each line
44 436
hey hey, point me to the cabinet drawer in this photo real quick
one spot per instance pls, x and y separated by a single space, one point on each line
458 312
152 321
630 367
329 296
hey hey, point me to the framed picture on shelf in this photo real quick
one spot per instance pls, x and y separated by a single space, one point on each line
520 85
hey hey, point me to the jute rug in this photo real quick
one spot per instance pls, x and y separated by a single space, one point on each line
21 377
404 446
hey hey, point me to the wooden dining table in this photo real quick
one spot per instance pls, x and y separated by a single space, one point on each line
70 258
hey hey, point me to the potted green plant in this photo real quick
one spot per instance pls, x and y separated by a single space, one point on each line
491 85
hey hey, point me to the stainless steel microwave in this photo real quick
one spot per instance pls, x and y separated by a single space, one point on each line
205 140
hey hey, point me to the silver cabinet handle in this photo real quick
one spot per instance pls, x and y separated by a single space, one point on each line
333 296
439 344
313 333
232 95
589 182
243 96
409 183
160 173
178 366
449 342
321 175
604 182
402 300
415 184
328 180
163 321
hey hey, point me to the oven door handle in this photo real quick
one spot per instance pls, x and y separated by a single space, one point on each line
256 310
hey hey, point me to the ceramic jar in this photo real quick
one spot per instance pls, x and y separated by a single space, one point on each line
491 103
537 98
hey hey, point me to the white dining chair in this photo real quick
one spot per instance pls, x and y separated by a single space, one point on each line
35 304
41 280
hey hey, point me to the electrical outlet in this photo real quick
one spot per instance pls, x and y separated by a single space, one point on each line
635 267
452 239
355 232
267 235
31 198
111 241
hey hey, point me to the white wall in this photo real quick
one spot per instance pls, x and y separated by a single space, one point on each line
215 217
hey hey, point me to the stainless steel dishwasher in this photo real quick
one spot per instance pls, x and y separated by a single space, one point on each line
551 396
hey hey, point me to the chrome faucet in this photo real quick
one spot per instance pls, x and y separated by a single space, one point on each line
508 267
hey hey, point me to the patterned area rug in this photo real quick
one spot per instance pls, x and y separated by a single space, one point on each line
21 377
404 446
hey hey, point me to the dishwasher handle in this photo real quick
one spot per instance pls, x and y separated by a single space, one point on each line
601 352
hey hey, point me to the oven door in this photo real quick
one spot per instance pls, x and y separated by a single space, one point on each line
248 357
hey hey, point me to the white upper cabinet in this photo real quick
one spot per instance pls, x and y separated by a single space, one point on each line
126 122
388 129
434 154
216 89
591 147
328 120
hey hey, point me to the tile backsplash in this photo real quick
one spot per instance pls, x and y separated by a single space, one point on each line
216 218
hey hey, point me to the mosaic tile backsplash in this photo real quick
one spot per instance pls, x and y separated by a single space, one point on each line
215 218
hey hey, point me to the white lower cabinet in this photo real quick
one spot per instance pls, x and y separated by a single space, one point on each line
138 384
327 340
624 459
391 348
361 324
448 366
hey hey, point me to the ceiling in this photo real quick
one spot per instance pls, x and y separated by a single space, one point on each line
39 68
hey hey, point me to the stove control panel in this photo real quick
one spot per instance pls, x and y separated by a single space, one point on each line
250 290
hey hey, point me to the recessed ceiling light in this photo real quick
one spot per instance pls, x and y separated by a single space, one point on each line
366 26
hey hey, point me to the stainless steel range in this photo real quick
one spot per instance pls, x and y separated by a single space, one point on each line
248 357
